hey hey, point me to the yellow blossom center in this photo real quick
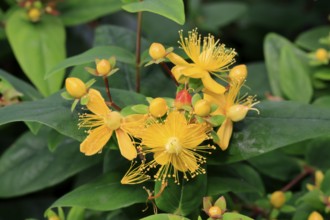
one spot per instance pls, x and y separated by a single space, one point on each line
173 145
215 212
113 120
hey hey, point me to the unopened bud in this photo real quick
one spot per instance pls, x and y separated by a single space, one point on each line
238 73
322 55
182 98
277 199
215 212
103 67
158 107
202 107
315 216
34 14
237 112
54 218
157 51
75 87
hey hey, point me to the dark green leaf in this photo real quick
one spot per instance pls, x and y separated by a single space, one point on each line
76 213
310 39
184 198
104 194
236 178
325 185
312 199
276 165
235 216
322 101
275 127
317 153
294 77
164 217
28 165
75 12
218 14
171 9
323 74
37 47
55 112
121 55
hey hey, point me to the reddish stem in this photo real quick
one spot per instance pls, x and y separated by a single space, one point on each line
107 89
307 171
138 51
169 72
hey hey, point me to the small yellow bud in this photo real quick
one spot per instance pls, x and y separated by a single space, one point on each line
277 199
202 107
54 218
315 216
34 14
237 112
113 120
158 107
157 51
322 55
215 212
103 67
238 73
319 176
75 87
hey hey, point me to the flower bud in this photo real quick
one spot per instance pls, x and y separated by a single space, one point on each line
157 51
75 87
322 55
113 120
202 108
182 98
315 216
34 14
158 107
237 112
103 67
54 218
215 212
238 73
277 199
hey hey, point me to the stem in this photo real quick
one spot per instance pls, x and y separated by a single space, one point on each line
306 171
107 89
138 50
169 72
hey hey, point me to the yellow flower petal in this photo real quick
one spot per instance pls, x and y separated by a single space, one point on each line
194 135
195 72
126 147
96 103
134 124
190 162
212 85
177 72
162 158
95 140
224 133
176 59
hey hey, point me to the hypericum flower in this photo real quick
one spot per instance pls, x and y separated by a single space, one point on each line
104 67
208 57
216 210
102 123
34 14
233 108
277 199
135 175
75 87
315 216
322 55
175 144
158 107
157 51
182 98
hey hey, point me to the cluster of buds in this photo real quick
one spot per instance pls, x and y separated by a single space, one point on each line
36 8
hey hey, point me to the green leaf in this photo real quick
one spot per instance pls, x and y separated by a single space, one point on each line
294 77
312 199
28 165
275 127
325 185
268 164
317 153
76 213
310 40
55 112
322 101
121 55
37 47
171 9
273 45
218 14
236 178
164 217
29 93
106 193
184 198
235 216
74 12
323 74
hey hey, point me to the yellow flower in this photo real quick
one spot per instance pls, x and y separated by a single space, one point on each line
102 123
175 144
233 108
208 57
319 176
